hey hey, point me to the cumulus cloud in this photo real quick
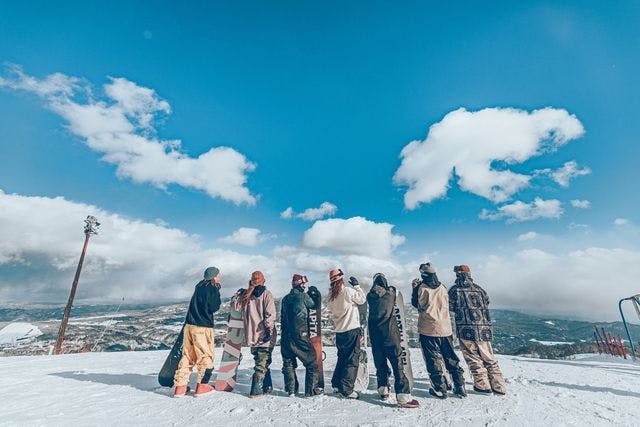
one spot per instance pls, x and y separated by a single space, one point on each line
121 128
525 237
244 236
476 147
355 235
620 222
566 173
584 283
520 211
311 214
580 204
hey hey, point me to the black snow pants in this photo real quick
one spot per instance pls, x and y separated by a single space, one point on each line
346 371
438 351
382 354
297 347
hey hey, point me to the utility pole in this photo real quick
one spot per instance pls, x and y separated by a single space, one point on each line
91 227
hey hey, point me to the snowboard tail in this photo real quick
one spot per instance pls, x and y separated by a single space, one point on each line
362 377
168 370
231 353
405 356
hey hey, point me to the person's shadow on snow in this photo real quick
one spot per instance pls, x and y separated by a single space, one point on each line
148 382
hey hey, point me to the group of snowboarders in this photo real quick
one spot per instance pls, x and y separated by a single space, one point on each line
300 320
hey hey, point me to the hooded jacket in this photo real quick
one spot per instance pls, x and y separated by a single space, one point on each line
383 330
204 303
470 305
344 308
432 301
258 315
294 314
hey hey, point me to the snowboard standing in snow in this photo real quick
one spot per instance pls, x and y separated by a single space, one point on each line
315 331
405 356
232 353
168 370
362 379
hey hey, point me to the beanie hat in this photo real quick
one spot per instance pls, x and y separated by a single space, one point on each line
298 280
462 269
210 273
257 278
427 268
335 275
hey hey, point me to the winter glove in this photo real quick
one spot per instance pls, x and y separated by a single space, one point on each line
353 281
314 293
415 283
266 337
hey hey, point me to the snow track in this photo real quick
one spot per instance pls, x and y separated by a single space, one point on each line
121 389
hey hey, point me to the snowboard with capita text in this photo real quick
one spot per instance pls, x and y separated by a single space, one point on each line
231 353
405 356
168 370
315 331
362 378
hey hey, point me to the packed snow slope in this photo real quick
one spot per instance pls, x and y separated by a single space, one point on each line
121 389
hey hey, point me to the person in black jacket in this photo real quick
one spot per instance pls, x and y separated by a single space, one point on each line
296 341
385 342
198 343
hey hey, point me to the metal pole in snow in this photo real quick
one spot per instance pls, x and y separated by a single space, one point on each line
626 328
90 228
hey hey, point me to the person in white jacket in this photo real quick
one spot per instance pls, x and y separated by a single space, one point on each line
343 304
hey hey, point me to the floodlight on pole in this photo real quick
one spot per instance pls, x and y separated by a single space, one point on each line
90 228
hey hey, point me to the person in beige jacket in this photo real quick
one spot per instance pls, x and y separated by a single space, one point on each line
343 304
431 299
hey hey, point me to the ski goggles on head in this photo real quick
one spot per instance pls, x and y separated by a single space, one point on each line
299 280
335 275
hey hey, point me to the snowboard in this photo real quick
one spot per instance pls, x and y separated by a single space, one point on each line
405 356
362 378
168 370
231 353
315 331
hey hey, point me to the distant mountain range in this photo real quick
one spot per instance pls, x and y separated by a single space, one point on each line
154 327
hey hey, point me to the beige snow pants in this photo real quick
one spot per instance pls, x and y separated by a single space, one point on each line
197 349
483 365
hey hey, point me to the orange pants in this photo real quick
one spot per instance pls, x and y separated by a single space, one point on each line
197 349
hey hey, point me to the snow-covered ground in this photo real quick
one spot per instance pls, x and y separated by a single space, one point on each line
121 389
18 332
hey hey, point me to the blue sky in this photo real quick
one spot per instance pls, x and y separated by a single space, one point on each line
322 98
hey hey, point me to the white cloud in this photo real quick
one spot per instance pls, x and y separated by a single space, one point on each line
567 172
520 211
244 236
621 221
531 235
287 213
581 204
355 235
311 214
583 283
467 144
121 128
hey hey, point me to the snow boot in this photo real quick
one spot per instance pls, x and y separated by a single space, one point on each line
384 393
203 389
437 393
353 395
256 386
460 391
482 390
499 389
181 391
267 385
405 401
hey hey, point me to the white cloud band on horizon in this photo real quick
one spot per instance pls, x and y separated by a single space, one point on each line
120 127
465 144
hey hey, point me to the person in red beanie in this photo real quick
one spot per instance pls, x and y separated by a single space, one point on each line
296 342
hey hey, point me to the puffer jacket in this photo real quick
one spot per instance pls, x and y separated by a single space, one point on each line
432 301
470 305
344 309
294 314
258 315
383 329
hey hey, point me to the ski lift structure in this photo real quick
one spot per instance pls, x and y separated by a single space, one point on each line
635 300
